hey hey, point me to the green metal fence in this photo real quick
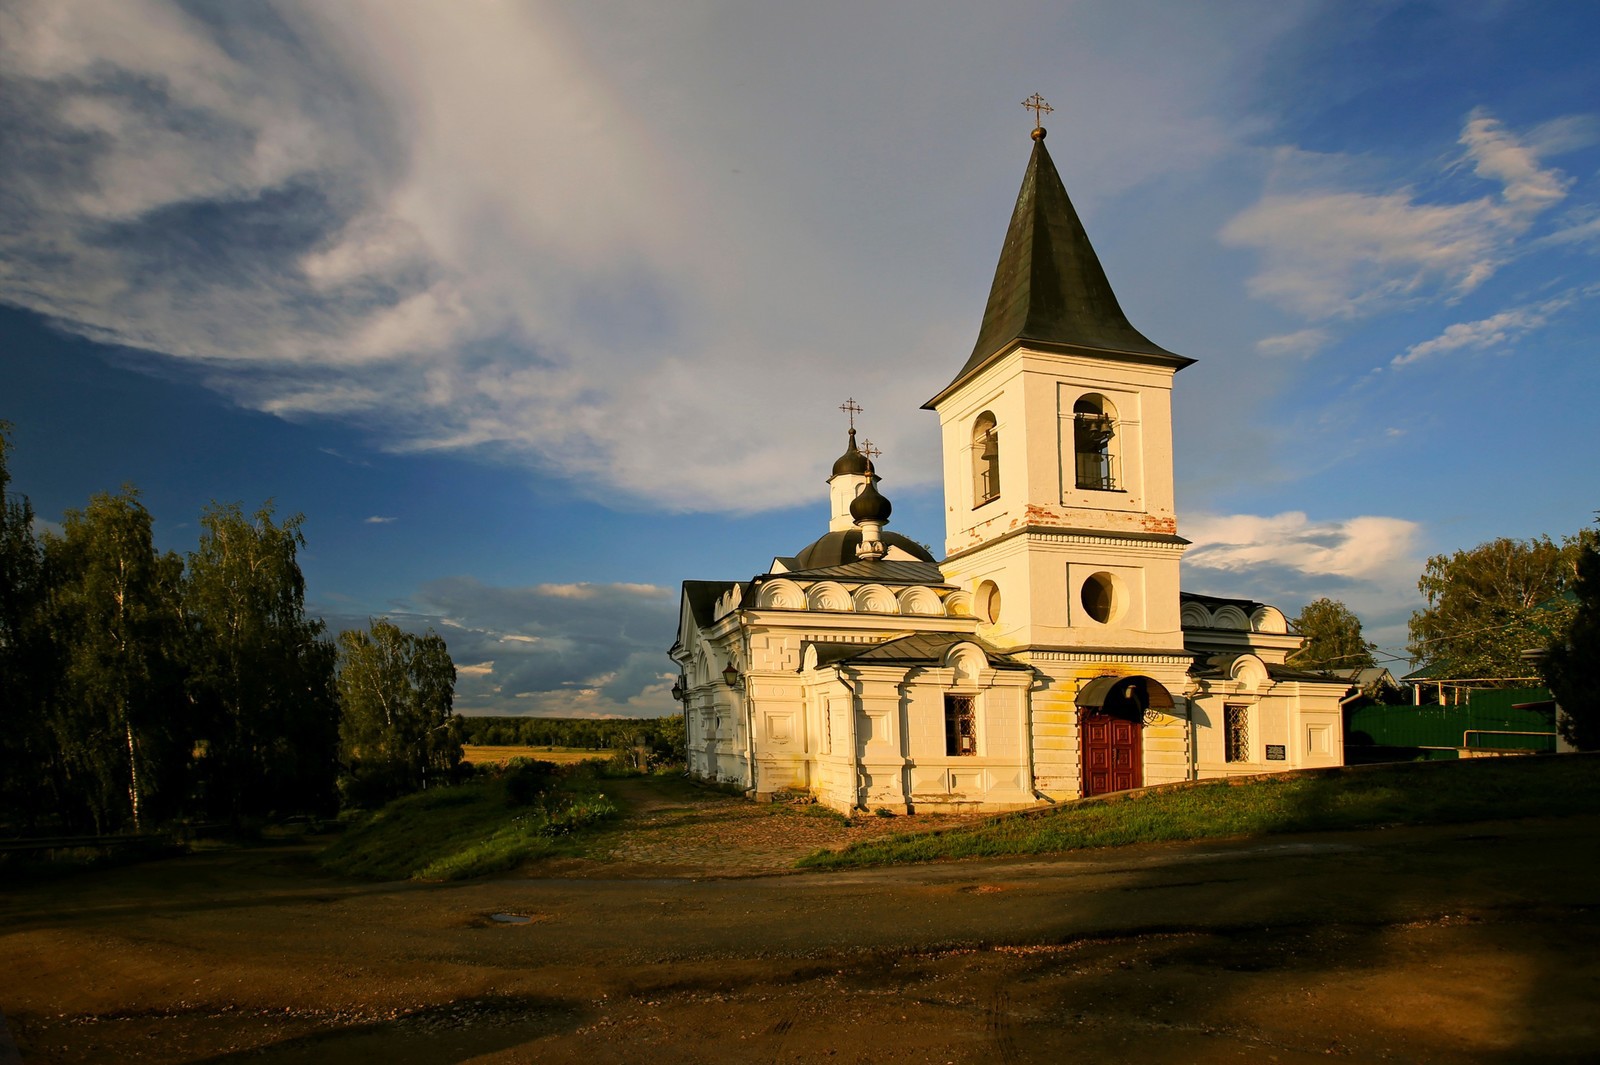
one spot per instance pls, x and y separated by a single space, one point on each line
1490 720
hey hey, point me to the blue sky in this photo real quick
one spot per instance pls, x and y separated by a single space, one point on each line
535 310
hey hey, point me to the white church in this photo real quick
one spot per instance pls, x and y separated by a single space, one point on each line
1051 655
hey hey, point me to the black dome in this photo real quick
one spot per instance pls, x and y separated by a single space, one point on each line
851 462
870 505
839 549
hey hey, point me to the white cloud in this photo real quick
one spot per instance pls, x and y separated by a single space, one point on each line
557 649
1360 548
1303 343
1497 330
1338 253
1577 232
1499 155
377 519
457 227
1370 563
586 590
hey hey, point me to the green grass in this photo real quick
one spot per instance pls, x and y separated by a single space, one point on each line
489 824
1411 794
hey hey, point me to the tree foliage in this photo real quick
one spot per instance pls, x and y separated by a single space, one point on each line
1487 605
261 671
116 620
398 731
663 737
29 768
1572 668
1333 638
138 687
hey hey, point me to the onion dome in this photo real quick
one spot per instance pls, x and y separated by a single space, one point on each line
839 548
852 462
870 505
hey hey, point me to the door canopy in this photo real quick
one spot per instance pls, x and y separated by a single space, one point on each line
1127 695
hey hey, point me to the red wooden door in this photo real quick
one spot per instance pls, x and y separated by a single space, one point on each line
1111 753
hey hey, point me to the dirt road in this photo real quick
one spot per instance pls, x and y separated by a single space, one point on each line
1460 944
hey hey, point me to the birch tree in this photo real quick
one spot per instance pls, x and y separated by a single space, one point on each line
262 672
113 622
398 731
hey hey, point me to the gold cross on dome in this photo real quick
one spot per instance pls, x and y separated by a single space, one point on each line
868 450
852 408
1036 104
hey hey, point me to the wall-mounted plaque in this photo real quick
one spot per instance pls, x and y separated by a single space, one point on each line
1277 752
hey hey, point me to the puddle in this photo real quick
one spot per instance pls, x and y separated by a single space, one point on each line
511 918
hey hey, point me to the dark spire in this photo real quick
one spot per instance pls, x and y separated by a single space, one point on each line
1049 287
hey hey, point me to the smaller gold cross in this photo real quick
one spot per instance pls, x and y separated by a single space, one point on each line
1036 104
852 408
868 450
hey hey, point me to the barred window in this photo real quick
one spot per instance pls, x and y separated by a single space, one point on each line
985 460
1094 442
960 726
1236 722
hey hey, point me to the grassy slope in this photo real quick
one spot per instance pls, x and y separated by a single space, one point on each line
470 829
1418 793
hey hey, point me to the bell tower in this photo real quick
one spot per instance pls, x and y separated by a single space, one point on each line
1057 436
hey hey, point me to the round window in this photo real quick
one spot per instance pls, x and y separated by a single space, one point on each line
989 602
1100 599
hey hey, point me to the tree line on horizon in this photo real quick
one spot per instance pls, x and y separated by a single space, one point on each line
140 688
575 733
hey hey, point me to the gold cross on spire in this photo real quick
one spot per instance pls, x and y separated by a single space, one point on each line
868 450
1036 104
852 408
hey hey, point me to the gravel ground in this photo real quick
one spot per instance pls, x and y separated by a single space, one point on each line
1472 943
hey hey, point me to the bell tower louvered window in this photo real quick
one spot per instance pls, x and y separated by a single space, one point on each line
985 460
1094 434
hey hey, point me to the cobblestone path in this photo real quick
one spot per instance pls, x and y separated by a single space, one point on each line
674 828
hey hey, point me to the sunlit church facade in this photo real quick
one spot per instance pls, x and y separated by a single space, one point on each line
1051 654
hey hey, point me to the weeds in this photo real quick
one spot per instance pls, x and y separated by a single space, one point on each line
505 816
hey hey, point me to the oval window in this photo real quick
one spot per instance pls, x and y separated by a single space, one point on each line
989 602
1100 599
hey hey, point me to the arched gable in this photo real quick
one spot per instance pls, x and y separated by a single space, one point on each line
875 599
916 600
1248 672
829 595
781 595
1230 617
966 661
1269 620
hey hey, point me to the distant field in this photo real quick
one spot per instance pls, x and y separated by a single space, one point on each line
483 755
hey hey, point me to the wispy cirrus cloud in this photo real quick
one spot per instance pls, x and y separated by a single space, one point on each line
1331 253
1301 342
1498 330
